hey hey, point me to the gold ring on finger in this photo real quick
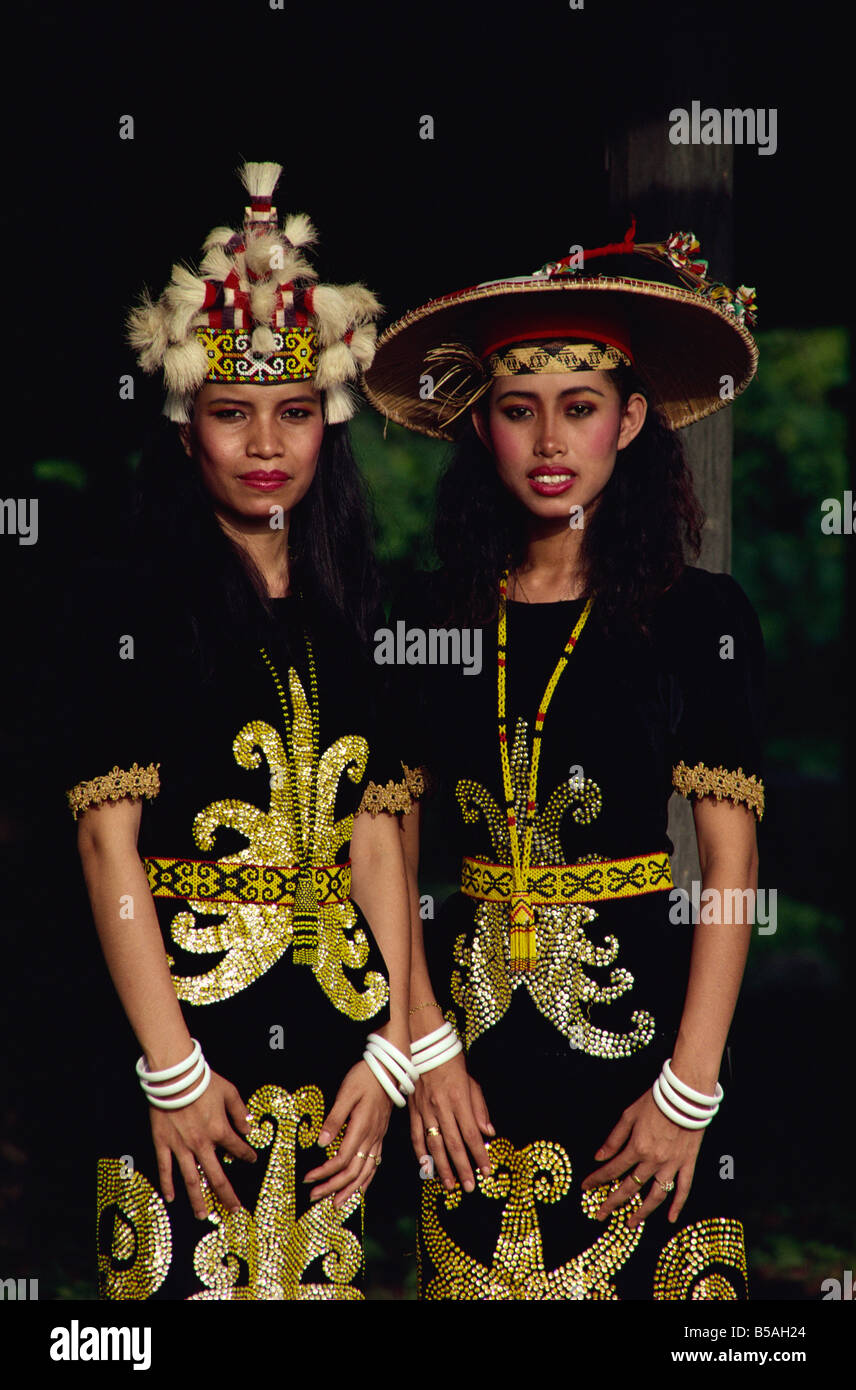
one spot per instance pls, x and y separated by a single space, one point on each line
666 1186
360 1154
433 1132
640 1181
377 1159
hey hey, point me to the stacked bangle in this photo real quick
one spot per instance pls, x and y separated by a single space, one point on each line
380 1053
435 1048
688 1108
193 1068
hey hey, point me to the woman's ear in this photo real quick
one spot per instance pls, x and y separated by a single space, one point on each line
632 419
479 419
184 433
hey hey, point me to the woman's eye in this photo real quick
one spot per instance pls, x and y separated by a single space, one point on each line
225 414
516 412
295 412
580 409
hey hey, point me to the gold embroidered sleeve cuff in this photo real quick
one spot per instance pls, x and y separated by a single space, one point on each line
395 797
719 782
134 782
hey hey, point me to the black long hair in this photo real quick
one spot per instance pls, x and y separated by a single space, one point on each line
185 558
644 529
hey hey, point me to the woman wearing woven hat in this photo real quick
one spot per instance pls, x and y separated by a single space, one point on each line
594 1015
229 751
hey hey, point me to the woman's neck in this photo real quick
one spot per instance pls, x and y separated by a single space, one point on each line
267 547
550 571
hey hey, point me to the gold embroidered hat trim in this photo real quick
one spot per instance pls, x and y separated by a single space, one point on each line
564 884
134 782
212 881
231 358
536 358
719 782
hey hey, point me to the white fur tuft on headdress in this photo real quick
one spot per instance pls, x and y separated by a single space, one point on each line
260 180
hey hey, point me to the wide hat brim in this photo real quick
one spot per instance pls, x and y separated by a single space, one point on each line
693 356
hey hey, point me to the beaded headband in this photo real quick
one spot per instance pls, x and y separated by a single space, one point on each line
254 314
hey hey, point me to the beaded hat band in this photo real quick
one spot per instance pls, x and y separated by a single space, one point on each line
254 314
572 357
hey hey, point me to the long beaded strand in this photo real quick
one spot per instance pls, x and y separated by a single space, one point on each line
523 953
305 916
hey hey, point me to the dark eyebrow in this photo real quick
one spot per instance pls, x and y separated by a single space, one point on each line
288 400
533 395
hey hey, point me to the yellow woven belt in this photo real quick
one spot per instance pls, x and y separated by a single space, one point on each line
206 880
569 883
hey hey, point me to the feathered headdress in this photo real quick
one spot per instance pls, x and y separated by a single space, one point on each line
255 314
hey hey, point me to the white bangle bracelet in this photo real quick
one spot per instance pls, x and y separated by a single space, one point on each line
175 1086
456 1047
395 1054
168 1073
672 1114
183 1100
695 1112
442 1032
435 1049
405 1085
687 1091
392 1091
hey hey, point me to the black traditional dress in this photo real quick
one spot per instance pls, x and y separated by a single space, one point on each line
560 1050
220 756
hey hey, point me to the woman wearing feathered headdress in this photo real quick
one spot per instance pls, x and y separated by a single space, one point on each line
236 795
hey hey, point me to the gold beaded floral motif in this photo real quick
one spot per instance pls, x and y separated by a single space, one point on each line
274 1247
540 1173
134 1239
254 936
134 782
558 984
719 782
706 1260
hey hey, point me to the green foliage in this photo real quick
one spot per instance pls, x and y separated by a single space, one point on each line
402 470
789 455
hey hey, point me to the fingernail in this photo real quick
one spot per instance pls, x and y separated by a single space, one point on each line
469 1186
324 1137
485 1171
450 1187
599 1154
491 1130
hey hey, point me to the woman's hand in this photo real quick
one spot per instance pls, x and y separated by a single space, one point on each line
363 1104
191 1134
449 1100
653 1146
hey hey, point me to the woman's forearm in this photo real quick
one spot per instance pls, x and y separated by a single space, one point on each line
130 937
378 886
424 1019
719 948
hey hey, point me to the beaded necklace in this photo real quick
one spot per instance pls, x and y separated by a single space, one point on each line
521 908
305 916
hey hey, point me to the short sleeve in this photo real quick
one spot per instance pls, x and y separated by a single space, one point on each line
721 675
404 695
394 781
106 694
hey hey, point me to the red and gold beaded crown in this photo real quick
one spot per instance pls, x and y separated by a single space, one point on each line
254 314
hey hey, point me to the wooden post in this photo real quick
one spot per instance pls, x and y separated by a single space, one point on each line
673 188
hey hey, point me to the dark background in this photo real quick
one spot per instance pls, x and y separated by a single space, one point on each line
523 99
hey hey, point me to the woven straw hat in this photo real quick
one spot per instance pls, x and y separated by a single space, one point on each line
651 303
